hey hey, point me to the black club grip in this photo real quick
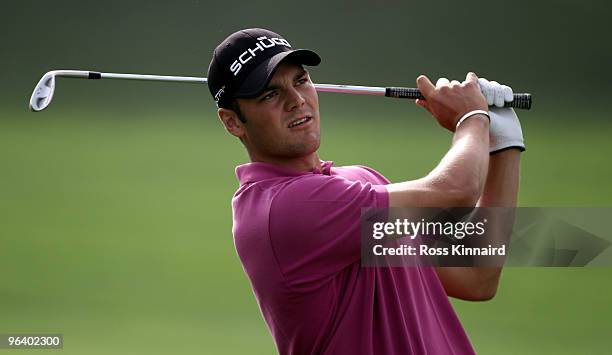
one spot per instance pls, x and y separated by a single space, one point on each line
522 101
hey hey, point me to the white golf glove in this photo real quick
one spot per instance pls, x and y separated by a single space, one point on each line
505 130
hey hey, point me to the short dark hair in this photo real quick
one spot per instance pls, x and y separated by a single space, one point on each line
235 106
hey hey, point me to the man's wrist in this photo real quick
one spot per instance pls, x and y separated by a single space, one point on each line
481 114
518 148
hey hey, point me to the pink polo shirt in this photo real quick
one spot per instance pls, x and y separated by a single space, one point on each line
298 237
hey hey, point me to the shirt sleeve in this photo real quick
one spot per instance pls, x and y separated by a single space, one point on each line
315 226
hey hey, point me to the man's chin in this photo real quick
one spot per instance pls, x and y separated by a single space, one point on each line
304 149
314 145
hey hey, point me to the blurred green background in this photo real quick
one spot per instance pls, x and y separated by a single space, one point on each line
115 217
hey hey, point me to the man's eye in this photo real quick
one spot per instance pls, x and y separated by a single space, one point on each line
269 96
302 81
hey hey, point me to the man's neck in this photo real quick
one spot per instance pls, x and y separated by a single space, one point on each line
307 163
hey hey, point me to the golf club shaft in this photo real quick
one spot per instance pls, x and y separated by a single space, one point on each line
522 101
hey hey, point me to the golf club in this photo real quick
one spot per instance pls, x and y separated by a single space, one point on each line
43 92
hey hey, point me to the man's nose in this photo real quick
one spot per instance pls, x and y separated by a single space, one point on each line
294 99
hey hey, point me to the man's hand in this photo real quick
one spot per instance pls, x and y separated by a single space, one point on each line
448 101
505 131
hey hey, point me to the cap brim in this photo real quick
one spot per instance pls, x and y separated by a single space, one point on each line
258 80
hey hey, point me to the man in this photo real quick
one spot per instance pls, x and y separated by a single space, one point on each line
297 218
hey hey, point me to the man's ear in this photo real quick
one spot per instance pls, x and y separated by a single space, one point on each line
231 122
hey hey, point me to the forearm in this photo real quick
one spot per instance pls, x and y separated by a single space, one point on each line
466 163
502 184
501 190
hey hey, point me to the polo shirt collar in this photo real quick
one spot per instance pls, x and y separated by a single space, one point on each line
257 171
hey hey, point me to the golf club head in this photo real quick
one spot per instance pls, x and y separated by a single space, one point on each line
43 93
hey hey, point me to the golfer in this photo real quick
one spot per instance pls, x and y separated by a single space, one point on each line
296 218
